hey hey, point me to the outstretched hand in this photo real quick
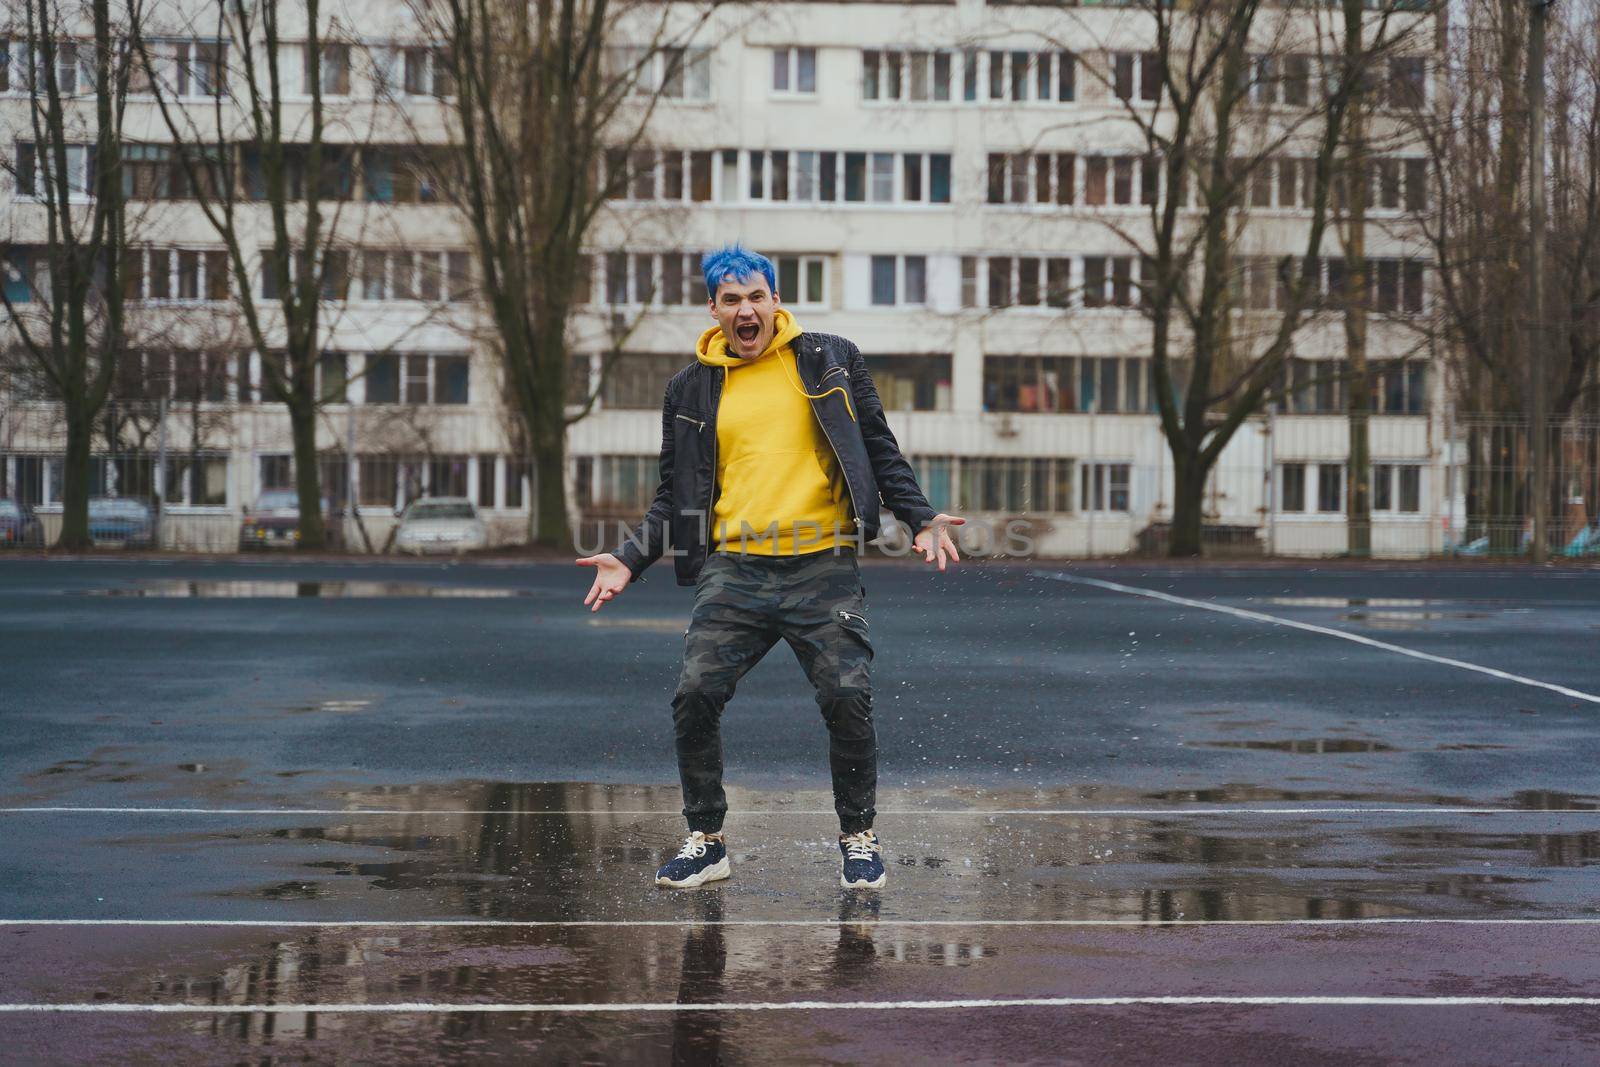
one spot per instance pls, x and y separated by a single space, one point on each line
611 577
934 541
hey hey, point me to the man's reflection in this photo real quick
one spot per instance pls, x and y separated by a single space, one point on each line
855 953
697 1035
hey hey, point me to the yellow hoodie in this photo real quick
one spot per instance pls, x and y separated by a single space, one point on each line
782 492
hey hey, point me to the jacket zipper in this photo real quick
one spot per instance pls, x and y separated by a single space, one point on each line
835 369
711 489
848 488
698 422
851 615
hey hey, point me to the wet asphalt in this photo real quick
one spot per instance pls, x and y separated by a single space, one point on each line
1084 794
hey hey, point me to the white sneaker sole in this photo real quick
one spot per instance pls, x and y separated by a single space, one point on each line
716 872
882 878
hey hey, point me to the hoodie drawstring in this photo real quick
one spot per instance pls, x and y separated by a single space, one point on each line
800 387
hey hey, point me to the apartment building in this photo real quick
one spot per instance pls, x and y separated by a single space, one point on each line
951 185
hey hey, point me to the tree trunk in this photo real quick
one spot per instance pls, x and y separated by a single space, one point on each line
1188 508
308 477
75 481
550 497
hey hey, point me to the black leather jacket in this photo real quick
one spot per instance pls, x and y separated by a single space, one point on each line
874 470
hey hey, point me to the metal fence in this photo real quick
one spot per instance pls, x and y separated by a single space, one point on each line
1045 485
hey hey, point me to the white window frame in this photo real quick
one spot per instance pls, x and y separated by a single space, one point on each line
900 279
786 61
78 190
803 265
1097 483
181 463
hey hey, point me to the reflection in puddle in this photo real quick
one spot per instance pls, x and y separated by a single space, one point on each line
335 707
272 589
1346 602
1308 746
1407 620
626 622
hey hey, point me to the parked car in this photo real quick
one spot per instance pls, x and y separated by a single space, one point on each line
441 524
274 521
121 520
19 525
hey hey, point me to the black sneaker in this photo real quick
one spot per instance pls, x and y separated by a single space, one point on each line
702 859
862 867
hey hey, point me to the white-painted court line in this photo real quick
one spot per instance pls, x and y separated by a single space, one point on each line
319 924
428 1007
941 812
1326 631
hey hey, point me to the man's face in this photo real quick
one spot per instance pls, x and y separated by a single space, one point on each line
745 312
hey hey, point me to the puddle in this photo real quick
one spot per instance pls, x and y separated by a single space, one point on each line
1312 746
270 589
1347 602
627 622
1408 620
334 707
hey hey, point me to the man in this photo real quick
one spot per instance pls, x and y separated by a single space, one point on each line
777 437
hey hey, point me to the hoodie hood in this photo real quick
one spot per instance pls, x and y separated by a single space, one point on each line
712 348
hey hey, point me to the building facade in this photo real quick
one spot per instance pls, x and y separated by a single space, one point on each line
960 188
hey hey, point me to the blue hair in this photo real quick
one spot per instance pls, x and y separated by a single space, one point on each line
737 260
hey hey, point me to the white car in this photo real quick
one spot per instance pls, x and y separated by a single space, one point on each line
441 524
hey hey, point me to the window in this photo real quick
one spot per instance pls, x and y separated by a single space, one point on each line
637 380
1397 487
450 380
417 378
1026 282
1408 88
33 173
899 280
794 71
1030 383
1330 487
174 274
1399 387
1108 281
1133 179
197 481
1292 487
1130 69
657 174
428 275
1039 485
906 76
1032 178
808 176
1313 387
1105 486
911 383
427 72
673 73
334 68
801 280
666 278
615 484
404 175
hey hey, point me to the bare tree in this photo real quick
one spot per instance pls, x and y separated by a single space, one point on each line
264 141
71 327
1477 232
1206 105
541 104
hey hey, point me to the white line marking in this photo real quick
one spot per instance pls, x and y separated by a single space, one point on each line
276 924
815 1005
1327 631
952 812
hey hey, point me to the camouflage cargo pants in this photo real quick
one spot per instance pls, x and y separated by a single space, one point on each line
743 605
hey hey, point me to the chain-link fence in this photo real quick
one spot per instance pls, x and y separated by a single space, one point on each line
1045 485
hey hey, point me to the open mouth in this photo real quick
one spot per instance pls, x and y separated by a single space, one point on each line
748 332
